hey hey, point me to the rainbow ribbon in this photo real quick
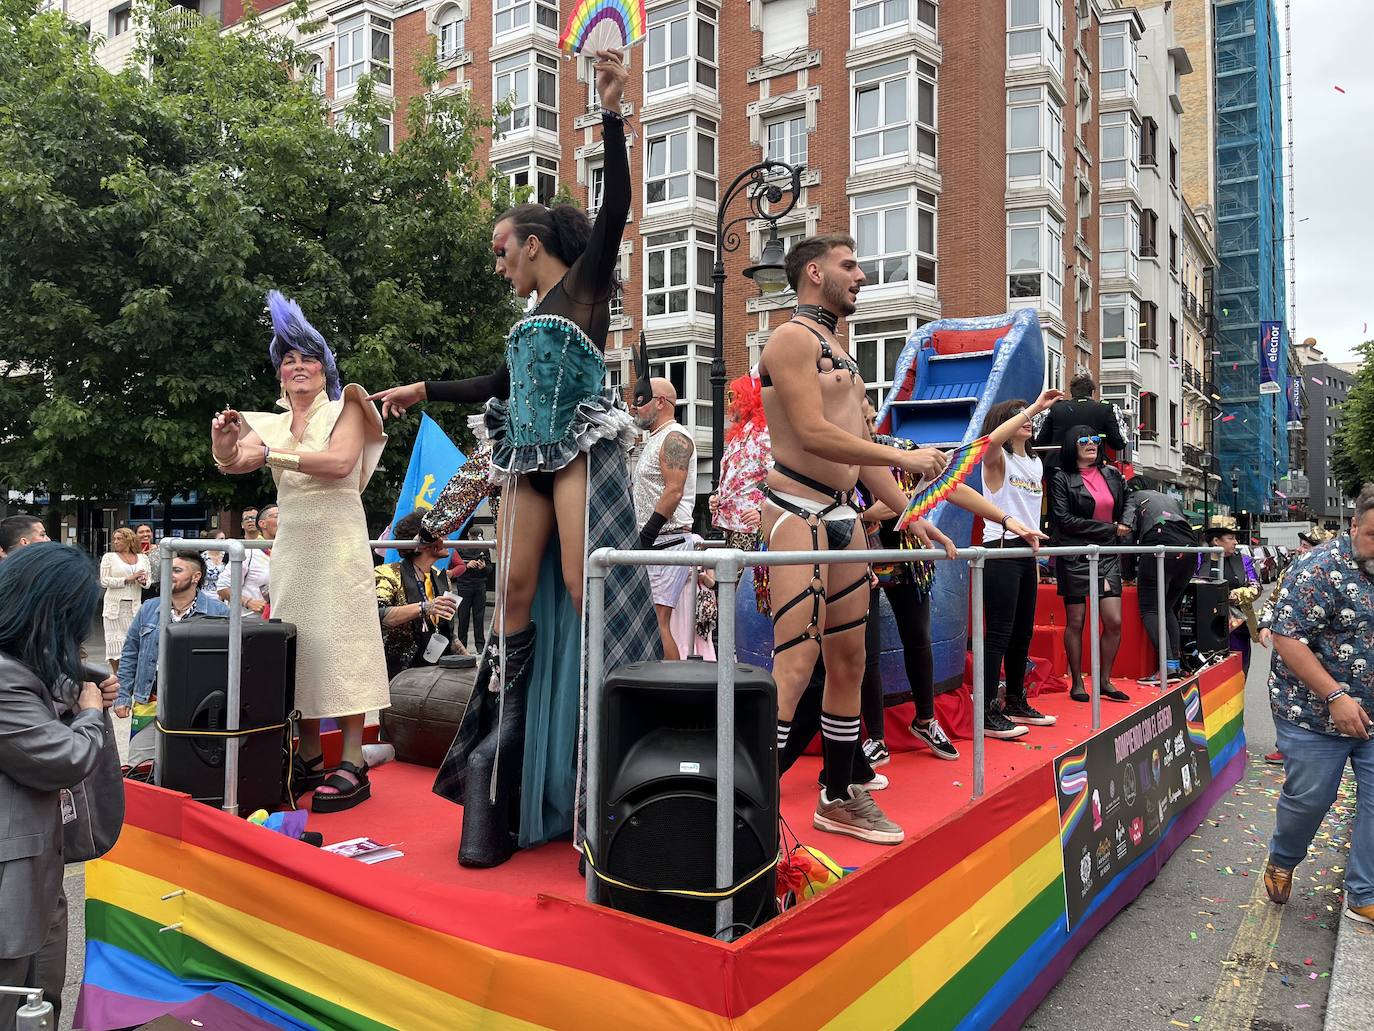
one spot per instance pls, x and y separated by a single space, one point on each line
961 462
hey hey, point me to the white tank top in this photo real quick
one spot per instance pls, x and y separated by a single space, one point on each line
1020 495
648 481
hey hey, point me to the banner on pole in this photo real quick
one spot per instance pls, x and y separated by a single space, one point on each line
1294 403
1119 790
1270 343
433 461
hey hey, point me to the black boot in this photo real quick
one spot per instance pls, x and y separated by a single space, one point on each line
489 828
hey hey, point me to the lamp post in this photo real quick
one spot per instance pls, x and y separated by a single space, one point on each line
1235 494
759 184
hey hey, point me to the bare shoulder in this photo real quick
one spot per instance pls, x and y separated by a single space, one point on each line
677 450
789 344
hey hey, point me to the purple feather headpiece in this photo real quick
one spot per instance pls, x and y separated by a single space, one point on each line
291 332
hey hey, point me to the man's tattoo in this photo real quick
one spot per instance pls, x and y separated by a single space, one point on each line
676 453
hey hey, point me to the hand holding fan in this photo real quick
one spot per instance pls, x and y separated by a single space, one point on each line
961 462
604 25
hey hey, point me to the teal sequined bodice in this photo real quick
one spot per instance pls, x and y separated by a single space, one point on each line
554 367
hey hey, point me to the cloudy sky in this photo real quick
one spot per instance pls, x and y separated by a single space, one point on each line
1333 134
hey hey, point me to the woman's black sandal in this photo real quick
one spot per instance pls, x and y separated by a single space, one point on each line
306 775
345 794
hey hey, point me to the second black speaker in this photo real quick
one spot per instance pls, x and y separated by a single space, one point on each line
656 812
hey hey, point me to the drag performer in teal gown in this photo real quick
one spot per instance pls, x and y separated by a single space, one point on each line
558 441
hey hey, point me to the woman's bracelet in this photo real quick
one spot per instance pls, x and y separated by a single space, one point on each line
1340 692
281 460
225 463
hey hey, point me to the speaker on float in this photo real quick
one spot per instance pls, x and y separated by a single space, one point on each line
196 699
1204 615
656 809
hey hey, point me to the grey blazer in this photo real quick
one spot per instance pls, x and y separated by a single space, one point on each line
39 755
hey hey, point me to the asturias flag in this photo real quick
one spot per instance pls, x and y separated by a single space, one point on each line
433 461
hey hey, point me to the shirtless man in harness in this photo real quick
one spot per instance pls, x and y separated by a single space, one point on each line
813 398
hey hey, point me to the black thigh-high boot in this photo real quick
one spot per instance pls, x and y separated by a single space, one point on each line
489 828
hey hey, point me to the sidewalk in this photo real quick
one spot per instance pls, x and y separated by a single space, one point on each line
1350 1006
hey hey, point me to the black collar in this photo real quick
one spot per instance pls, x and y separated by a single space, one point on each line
816 312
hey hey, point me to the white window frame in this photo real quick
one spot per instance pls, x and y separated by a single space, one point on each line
699 140
509 17
1035 31
1128 341
685 291
683 43
1054 361
450 33
532 170
907 106
909 263
314 74
1129 218
1118 77
692 364
1119 152
121 20
875 346
790 143
528 71
1038 279
883 18
1037 163
358 51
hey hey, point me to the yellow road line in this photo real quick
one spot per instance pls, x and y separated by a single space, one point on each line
1237 993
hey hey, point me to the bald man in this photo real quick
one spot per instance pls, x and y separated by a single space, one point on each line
664 488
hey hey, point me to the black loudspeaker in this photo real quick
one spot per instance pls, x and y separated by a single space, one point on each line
657 799
196 700
1204 616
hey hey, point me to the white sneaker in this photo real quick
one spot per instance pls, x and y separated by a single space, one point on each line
858 816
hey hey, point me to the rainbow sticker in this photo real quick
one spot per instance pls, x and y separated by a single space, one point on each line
1073 779
961 462
1192 712
604 24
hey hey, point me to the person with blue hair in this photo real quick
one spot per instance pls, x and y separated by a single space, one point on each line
52 734
322 451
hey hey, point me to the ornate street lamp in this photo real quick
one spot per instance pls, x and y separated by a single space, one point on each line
759 184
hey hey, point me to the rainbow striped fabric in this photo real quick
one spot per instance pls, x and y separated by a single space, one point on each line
961 462
586 32
961 928
1073 778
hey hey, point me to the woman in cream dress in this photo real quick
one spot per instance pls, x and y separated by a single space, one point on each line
322 451
124 572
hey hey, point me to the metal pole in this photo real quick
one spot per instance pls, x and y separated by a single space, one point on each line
1163 635
234 699
727 581
164 620
695 574
979 671
718 357
1094 632
596 645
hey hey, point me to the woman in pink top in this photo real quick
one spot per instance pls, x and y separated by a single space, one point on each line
1087 499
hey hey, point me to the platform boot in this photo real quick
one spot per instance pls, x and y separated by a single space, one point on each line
489 828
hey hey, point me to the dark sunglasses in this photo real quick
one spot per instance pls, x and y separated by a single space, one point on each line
1090 440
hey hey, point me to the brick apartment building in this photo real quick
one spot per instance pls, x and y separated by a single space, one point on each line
962 144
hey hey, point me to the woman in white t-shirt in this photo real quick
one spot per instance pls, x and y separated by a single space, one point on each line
124 572
1013 478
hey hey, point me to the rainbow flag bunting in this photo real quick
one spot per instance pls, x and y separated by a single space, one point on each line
961 462
603 24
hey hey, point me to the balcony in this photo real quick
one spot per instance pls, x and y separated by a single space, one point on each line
1192 456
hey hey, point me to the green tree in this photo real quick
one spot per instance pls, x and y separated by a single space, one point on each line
1352 458
146 214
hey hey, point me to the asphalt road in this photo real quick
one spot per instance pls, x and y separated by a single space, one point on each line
1202 947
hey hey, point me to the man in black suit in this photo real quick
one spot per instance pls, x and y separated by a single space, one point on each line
1081 409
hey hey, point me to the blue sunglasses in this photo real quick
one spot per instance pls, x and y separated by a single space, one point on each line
1090 440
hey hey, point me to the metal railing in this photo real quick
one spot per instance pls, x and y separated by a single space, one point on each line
728 565
236 551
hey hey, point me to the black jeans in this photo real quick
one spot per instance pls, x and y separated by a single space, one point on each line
1178 571
1009 587
474 608
911 611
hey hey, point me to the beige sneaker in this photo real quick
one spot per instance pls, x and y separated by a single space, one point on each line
858 816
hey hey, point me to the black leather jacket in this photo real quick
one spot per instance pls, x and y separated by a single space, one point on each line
1072 506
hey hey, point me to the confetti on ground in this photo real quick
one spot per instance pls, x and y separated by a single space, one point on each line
1303 1006
1338 89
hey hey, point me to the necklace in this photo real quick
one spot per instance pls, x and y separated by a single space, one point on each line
816 312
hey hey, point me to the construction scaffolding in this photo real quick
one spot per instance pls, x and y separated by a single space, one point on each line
1252 281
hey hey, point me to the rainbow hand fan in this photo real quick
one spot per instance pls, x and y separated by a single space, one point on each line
961 462
603 24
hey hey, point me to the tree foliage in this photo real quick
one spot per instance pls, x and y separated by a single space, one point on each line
1352 459
147 213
